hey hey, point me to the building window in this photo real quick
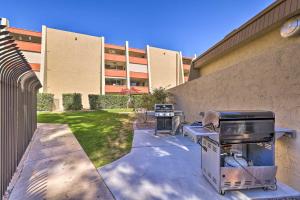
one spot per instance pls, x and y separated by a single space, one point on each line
26 38
114 81
137 55
114 51
142 83
115 66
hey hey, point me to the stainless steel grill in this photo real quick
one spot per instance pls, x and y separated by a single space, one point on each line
167 119
239 154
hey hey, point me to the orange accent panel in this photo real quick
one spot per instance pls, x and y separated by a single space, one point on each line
186 67
141 89
24 32
28 46
35 66
115 57
114 88
186 78
137 60
137 50
138 75
115 73
113 46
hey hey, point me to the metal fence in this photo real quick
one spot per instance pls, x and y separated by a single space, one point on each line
18 89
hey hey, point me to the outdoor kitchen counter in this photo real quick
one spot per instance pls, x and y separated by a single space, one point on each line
169 167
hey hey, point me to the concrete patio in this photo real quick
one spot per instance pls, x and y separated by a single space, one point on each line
169 167
56 167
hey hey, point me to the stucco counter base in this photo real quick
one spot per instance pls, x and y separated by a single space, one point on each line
169 167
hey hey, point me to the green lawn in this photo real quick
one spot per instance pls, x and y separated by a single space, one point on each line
104 135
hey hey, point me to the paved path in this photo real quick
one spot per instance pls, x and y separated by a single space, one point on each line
169 168
56 167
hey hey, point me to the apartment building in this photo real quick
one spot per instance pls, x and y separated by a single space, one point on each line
68 62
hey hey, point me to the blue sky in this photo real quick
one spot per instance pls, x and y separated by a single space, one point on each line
191 26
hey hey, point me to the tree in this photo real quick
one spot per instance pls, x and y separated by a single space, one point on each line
158 95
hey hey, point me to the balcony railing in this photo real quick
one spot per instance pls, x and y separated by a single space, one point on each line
137 60
141 89
114 88
140 75
35 66
115 73
28 46
113 46
115 57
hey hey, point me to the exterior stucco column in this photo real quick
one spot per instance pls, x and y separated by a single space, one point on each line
102 90
43 72
127 64
149 69
181 70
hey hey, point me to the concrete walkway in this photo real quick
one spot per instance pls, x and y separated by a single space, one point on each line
169 168
56 167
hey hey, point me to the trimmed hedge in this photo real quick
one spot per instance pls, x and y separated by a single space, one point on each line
98 102
72 101
137 101
45 101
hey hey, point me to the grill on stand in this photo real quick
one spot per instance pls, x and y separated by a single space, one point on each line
167 119
238 150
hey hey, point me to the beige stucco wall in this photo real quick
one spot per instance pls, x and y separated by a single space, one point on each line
265 79
246 51
165 67
73 63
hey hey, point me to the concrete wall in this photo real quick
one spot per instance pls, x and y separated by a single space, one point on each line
73 63
165 67
266 77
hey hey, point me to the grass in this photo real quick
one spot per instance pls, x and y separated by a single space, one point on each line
104 135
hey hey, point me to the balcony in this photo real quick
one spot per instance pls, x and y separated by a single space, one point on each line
137 60
115 57
139 75
24 32
35 67
28 46
140 89
186 67
113 46
114 88
115 73
135 50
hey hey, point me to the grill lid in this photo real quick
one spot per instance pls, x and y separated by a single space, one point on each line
213 117
249 114
164 107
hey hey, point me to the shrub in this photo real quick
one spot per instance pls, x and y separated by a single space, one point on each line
45 101
159 95
93 101
72 101
98 102
148 101
136 101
